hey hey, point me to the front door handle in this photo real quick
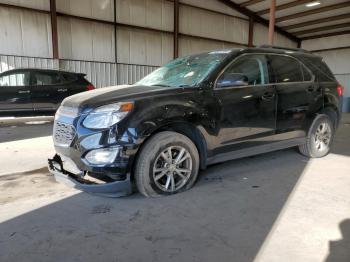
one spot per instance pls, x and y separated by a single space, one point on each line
62 90
268 96
23 91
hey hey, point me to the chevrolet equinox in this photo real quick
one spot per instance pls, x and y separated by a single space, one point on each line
193 112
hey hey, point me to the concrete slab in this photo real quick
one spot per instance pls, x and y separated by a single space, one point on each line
25 144
279 206
25 155
5 121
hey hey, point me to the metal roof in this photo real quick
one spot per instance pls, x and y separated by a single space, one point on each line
330 17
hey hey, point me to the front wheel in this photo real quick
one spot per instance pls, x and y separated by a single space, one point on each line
319 139
167 164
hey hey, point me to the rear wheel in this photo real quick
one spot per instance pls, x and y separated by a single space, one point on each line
167 164
319 139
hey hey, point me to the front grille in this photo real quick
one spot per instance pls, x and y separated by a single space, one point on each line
63 134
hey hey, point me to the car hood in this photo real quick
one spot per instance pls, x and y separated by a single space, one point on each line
113 94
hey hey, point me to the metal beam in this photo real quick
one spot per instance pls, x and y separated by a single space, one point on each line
324 28
330 49
211 11
313 11
272 21
257 18
144 28
115 31
176 27
24 8
251 32
250 2
326 35
213 39
285 6
317 21
299 44
54 29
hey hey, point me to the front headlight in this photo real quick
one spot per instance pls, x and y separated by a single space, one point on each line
108 115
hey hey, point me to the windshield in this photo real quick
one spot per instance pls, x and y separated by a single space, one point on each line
186 71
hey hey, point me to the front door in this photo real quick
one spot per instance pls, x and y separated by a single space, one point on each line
247 104
15 94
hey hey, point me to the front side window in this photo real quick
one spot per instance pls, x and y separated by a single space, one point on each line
16 79
246 70
185 71
286 69
46 78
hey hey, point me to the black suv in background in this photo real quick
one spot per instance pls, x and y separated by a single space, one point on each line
37 91
193 112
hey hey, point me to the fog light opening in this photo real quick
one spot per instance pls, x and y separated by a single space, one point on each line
102 156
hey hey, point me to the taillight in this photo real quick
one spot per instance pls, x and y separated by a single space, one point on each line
90 87
340 90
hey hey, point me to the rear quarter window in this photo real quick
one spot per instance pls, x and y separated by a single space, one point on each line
320 69
67 78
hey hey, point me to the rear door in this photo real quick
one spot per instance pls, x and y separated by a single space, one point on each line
297 93
47 90
15 94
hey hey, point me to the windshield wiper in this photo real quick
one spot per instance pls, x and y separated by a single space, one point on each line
162 85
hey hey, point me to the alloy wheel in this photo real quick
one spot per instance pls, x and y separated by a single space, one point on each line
172 168
323 136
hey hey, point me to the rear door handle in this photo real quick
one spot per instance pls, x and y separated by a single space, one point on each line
310 89
62 90
268 96
23 91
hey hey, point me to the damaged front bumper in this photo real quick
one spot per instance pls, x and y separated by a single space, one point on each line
109 189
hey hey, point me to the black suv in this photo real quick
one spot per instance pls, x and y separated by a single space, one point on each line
193 112
37 91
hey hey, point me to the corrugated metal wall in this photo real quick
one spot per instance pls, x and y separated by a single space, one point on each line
89 46
190 45
25 33
327 42
337 59
203 23
99 74
83 40
8 62
261 33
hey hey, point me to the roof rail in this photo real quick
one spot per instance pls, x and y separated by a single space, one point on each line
284 48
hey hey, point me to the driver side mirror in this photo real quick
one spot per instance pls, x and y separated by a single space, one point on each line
231 80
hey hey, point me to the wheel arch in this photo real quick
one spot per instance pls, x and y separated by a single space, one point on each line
186 129
333 113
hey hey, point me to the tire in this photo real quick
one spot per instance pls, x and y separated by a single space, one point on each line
159 171
313 147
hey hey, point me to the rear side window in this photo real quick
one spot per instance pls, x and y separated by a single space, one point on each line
46 78
285 69
16 79
67 78
320 69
